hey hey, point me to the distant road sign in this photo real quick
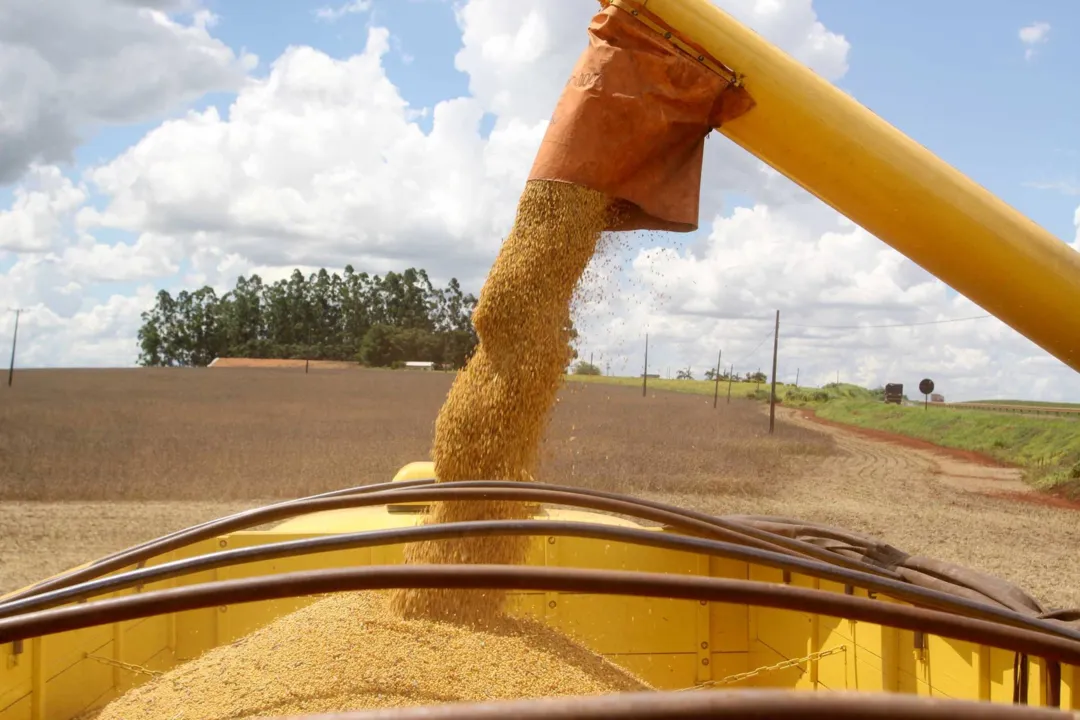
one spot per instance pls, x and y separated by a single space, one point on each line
926 386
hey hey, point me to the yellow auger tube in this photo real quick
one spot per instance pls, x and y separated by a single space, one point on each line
841 152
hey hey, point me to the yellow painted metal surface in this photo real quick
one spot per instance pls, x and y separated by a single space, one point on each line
671 644
824 140
420 470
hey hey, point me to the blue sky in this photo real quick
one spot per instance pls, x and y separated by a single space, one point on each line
953 76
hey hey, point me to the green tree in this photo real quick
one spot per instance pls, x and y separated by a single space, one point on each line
322 316
586 368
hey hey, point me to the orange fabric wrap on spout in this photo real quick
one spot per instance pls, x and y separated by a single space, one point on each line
631 123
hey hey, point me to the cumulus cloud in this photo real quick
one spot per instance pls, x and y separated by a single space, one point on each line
1034 34
1076 222
99 336
66 68
333 14
320 163
518 54
43 206
848 303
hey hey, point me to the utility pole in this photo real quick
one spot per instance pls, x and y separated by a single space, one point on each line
772 395
645 374
730 377
14 342
716 388
796 377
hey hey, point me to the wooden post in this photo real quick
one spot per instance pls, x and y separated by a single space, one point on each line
716 388
14 341
796 377
730 377
772 394
645 374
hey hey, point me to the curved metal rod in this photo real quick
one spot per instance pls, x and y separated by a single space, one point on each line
355 490
923 597
795 545
149 545
258 516
449 492
342 492
493 577
733 704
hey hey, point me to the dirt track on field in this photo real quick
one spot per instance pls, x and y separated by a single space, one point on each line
39 539
932 503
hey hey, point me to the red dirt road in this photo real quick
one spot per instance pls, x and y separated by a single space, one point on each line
928 502
1021 493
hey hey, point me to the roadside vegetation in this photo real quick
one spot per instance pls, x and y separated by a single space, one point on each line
741 389
1022 403
1048 449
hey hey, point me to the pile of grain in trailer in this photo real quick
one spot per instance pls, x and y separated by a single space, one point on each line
351 652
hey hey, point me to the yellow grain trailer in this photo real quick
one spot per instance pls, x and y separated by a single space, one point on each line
751 611
681 599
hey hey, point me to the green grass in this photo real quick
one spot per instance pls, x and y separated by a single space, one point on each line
741 390
1023 403
1048 449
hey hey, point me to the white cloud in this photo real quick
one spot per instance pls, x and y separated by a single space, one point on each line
1076 222
37 219
1063 187
518 54
723 295
1034 34
103 335
66 68
321 163
148 258
333 14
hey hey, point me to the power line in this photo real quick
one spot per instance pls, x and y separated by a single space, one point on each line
857 327
751 353
891 325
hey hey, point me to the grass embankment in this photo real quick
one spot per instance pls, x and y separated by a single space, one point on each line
1047 448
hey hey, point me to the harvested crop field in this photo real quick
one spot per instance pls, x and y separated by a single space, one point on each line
92 461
